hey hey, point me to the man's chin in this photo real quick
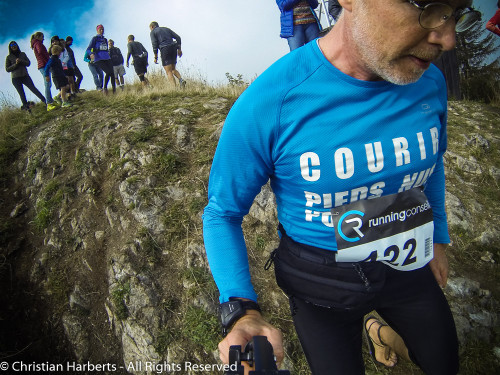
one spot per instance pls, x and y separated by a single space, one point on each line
402 78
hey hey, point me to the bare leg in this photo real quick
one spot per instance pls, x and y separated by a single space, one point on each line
64 93
169 69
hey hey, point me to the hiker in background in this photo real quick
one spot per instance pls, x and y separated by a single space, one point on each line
117 61
42 57
334 8
97 72
78 73
169 44
139 58
54 41
299 24
98 52
55 67
493 24
16 64
68 68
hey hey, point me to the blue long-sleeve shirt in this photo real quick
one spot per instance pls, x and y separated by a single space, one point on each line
323 139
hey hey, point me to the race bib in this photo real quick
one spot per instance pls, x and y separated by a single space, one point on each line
396 229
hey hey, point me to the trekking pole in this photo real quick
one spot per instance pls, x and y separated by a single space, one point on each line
259 354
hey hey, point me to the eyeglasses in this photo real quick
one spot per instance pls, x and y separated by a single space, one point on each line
433 15
13 45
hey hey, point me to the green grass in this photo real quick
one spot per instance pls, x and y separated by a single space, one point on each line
119 297
201 328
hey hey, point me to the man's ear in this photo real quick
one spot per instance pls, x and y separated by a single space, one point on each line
346 4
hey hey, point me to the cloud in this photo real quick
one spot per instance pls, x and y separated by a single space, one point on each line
218 36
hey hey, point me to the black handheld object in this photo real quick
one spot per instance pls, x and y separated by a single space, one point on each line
258 353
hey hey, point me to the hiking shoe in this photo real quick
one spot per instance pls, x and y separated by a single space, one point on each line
57 99
66 104
182 83
51 106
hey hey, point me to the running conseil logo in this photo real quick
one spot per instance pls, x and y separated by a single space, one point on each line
353 222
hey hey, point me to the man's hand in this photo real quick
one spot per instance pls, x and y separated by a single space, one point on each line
47 78
439 264
179 53
249 325
156 59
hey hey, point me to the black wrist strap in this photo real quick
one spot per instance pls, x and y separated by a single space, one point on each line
233 310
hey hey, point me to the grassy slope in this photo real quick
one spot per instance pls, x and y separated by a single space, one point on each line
197 331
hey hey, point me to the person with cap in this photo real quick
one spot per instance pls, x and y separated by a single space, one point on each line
78 74
350 130
117 60
42 57
169 44
16 64
98 52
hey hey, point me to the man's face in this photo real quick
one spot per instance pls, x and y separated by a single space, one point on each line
69 42
111 44
392 44
100 30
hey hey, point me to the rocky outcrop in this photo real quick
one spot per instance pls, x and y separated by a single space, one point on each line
113 202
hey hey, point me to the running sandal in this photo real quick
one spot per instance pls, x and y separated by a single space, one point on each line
370 342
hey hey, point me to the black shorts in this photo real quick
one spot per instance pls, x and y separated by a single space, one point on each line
169 55
70 72
60 81
140 65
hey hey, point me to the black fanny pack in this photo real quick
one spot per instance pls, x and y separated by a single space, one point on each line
313 275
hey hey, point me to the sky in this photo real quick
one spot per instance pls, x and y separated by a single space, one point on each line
218 36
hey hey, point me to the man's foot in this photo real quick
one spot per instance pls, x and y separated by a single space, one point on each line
379 351
66 104
58 99
182 83
51 106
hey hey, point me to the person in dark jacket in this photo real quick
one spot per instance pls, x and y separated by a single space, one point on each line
16 64
139 58
78 73
117 61
299 24
98 51
169 44
334 8
42 57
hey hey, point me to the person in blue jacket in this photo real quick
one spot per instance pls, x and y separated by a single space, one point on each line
98 52
299 24
350 130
